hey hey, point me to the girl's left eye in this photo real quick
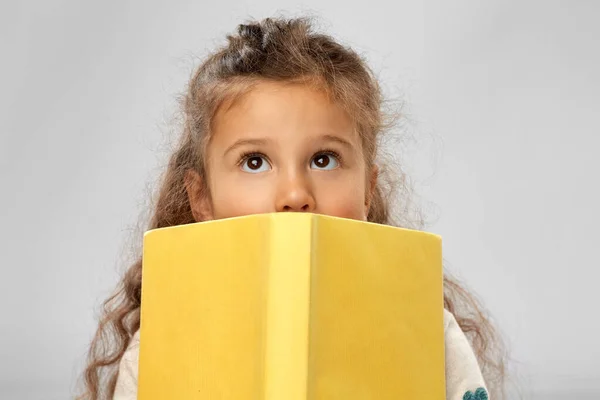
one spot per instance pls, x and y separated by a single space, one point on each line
325 161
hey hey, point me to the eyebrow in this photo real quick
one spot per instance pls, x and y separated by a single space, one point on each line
245 142
263 142
337 139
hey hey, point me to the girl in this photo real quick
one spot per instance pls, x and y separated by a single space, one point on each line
281 119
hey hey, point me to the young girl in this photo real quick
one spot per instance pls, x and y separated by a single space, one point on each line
281 119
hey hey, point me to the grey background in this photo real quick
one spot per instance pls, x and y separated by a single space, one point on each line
501 96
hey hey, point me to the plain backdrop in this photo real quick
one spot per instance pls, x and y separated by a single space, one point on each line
500 99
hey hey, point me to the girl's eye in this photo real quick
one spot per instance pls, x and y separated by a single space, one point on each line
255 164
324 161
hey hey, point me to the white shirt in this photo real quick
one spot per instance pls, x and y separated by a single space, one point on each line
462 370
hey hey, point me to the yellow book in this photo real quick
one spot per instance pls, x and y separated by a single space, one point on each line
291 306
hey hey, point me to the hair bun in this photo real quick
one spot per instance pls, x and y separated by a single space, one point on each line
252 34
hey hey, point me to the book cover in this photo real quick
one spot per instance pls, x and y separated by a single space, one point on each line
291 306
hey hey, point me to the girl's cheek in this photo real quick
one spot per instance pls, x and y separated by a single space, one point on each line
235 197
345 200
350 210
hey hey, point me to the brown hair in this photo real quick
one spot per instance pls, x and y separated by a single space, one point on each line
286 51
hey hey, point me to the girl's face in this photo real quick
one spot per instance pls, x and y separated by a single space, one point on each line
283 147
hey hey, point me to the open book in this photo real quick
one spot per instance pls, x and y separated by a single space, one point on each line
291 306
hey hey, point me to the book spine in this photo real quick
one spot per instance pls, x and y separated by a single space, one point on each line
288 291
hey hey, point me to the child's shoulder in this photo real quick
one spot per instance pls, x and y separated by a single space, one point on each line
126 387
464 380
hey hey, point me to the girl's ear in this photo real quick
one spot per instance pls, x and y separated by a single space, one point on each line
197 196
371 186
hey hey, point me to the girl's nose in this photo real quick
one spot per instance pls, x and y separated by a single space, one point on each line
295 195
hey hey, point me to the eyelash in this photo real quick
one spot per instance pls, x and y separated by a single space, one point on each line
328 152
249 154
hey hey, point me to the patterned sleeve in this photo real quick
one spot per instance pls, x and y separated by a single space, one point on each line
464 380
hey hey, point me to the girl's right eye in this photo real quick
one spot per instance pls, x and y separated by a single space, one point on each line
255 164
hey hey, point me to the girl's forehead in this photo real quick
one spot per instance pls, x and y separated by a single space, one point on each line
283 115
274 104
